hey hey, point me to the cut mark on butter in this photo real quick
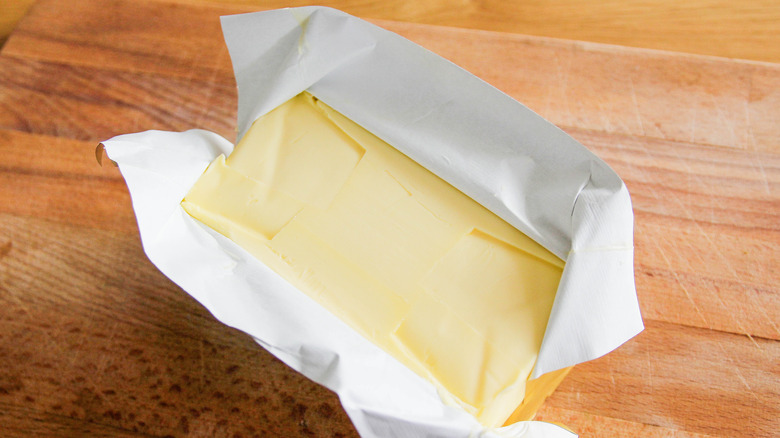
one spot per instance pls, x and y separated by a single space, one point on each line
439 282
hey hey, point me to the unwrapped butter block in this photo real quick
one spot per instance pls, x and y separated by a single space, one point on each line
392 227
411 263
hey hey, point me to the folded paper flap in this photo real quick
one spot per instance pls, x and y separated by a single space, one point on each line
483 142
290 50
596 309
149 154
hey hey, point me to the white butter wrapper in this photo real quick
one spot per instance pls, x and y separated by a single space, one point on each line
481 141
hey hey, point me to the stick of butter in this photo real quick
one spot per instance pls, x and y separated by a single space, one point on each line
426 273
365 271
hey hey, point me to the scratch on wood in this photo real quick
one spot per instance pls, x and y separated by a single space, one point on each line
715 248
682 285
757 345
636 105
21 305
210 91
735 367
752 146
668 262
726 262
751 139
724 120
563 74
649 367
693 124
605 121
202 364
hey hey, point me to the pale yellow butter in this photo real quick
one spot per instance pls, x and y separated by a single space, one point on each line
432 277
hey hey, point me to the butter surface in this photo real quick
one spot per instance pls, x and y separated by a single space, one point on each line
432 277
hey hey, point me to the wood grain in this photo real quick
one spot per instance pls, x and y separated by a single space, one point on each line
95 341
95 104
653 380
107 340
609 89
23 421
590 425
746 29
707 230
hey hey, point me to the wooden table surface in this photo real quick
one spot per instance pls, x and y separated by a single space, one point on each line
94 341
745 29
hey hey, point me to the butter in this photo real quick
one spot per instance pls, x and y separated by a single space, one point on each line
439 282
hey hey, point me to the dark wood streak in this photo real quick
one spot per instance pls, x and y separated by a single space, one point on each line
94 104
22 171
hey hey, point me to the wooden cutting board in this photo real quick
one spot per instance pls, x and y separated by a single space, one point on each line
95 341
